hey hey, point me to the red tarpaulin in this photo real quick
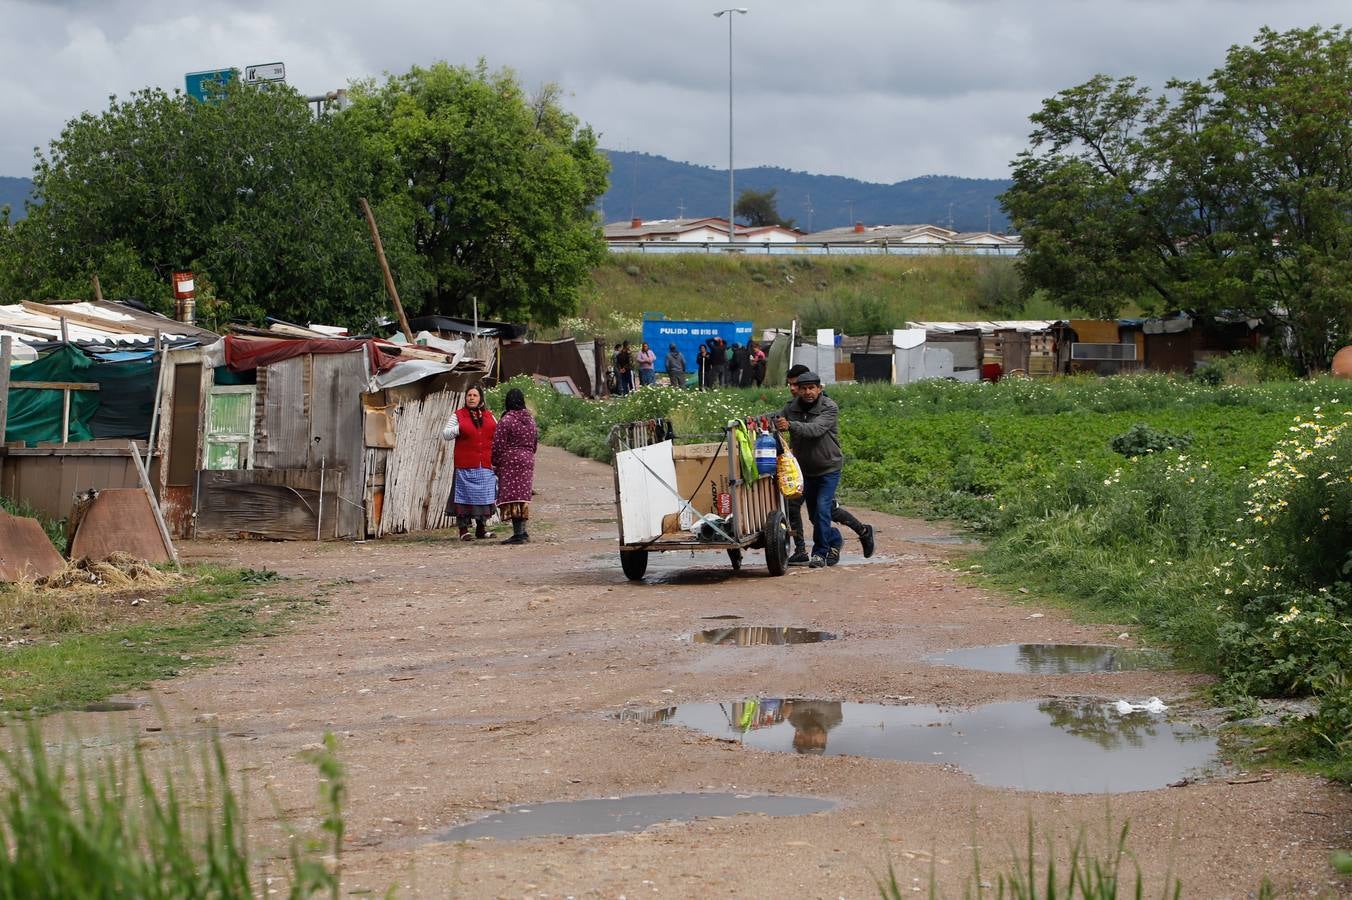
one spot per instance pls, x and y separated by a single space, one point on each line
244 352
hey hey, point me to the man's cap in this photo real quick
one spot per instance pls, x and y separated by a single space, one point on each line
808 378
796 370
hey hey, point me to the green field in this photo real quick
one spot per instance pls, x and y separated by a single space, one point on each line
1232 549
857 294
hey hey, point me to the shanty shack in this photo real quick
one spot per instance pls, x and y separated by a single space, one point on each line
308 437
81 388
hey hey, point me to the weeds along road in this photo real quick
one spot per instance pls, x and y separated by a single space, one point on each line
462 678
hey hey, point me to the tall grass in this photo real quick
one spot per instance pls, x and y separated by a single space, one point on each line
74 829
1083 874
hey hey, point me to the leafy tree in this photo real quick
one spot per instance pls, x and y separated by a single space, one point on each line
758 209
1232 192
251 191
502 185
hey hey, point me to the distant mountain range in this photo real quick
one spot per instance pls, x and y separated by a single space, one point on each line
653 187
13 192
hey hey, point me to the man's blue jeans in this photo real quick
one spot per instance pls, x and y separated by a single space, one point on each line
819 494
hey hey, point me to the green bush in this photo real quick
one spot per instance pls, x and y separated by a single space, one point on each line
1141 439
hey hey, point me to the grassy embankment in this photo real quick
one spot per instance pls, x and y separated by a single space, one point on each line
1230 550
62 648
858 294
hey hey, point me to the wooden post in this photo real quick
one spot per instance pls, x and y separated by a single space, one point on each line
6 357
98 289
65 416
65 339
144 476
385 269
6 360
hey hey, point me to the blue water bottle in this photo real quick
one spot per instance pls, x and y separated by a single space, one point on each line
767 453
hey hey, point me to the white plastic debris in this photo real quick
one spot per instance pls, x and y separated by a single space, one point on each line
1154 706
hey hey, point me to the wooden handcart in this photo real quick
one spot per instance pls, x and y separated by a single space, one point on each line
661 486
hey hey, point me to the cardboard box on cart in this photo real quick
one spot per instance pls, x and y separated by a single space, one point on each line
694 472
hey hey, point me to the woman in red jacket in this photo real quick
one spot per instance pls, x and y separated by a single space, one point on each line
476 486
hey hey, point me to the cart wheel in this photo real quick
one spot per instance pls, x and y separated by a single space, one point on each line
776 543
634 563
736 556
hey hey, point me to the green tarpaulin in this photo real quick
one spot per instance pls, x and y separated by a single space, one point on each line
121 408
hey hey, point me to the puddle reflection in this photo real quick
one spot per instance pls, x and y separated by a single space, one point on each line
625 814
756 636
1074 746
1052 659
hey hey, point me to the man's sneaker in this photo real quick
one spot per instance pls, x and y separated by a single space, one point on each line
799 559
833 556
817 562
866 538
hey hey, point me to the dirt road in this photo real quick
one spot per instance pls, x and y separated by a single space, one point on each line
465 677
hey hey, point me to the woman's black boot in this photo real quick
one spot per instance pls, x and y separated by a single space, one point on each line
518 532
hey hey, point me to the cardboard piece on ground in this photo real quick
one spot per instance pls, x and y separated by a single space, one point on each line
25 551
120 520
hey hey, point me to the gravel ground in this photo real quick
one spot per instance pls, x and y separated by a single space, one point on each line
462 678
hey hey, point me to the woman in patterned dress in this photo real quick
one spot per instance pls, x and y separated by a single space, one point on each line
514 445
476 487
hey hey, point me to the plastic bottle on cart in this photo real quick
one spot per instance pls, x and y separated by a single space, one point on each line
767 453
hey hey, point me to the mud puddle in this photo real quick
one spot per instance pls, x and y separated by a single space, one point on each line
625 814
940 539
104 706
1077 746
1052 659
760 635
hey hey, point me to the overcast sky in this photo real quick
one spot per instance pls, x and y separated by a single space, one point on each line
881 91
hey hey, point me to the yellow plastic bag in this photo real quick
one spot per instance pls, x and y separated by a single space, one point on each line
788 473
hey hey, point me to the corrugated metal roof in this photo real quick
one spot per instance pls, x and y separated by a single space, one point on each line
41 323
1025 325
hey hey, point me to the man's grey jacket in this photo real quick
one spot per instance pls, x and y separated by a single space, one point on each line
813 436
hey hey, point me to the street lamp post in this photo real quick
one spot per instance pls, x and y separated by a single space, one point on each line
731 203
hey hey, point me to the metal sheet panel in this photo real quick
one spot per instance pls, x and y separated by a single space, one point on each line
280 504
338 426
25 551
283 437
647 487
120 521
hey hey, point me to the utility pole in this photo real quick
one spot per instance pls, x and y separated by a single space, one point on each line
740 10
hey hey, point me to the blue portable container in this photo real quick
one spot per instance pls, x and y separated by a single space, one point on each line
767 453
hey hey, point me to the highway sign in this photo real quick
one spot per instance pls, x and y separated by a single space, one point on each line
202 84
265 72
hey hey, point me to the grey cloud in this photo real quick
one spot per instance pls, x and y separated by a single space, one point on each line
877 90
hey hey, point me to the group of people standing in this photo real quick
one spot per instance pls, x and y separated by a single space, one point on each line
735 365
718 365
494 465
630 369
